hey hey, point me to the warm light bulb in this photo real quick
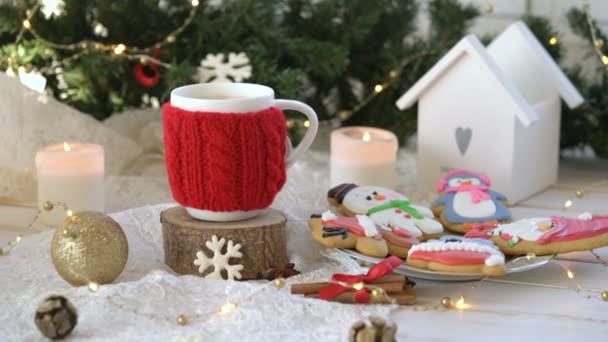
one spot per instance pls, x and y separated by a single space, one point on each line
378 88
552 41
605 59
67 147
227 308
358 286
460 304
306 123
367 136
119 49
69 213
27 24
567 204
195 3
93 286
570 274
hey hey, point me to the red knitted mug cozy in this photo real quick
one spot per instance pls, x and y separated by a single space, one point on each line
225 161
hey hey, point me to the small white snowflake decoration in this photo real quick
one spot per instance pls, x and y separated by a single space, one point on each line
52 8
214 68
220 261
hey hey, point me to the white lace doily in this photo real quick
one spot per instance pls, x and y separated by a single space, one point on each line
147 286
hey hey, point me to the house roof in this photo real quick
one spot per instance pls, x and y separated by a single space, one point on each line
562 84
472 47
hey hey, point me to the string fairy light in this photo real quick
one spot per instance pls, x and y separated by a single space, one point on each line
183 319
579 193
46 206
552 40
379 88
82 47
446 302
598 43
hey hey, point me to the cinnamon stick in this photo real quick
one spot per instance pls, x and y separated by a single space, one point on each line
405 297
390 284
316 287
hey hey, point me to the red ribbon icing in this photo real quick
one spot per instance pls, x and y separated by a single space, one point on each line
378 271
451 257
350 223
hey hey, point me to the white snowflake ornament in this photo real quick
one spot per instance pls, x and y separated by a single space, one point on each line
214 68
52 8
220 261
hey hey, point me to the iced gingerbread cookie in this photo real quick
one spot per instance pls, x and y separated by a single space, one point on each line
457 254
386 208
547 235
466 200
358 233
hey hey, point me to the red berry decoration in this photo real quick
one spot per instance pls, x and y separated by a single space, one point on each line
147 74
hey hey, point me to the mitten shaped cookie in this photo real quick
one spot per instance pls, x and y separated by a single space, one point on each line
456 254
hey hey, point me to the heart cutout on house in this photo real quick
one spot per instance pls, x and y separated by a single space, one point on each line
463 138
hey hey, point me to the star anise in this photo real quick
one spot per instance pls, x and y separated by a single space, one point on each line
278 272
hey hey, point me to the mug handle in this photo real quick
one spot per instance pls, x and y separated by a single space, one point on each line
311 132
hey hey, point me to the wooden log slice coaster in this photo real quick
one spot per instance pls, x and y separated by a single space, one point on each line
262 239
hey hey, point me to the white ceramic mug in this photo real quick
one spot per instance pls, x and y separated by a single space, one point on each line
240 98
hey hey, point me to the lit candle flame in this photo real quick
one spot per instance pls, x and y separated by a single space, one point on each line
460 304
67 147
367 136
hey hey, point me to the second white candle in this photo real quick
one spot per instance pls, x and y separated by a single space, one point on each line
364 156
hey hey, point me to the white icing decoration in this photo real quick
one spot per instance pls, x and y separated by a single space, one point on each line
357 202
328 216
464 206
495 260
469 245
585 216
524 229
220 261
368 225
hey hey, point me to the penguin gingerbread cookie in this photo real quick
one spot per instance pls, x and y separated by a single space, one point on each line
359 233
387 209
466 200
456 254
547 235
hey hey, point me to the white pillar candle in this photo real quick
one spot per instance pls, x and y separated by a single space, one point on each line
364 156
72 173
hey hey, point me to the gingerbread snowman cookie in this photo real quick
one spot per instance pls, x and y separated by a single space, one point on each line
547 235
387 209
359 233
466 200
456 254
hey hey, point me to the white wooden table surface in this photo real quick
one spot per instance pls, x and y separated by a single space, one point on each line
499 311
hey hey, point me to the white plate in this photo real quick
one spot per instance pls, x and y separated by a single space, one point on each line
513 266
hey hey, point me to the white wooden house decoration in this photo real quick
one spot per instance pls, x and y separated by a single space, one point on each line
495 110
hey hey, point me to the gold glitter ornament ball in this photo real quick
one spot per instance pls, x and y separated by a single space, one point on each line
89 247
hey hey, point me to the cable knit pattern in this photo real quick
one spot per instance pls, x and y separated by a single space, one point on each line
225 161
